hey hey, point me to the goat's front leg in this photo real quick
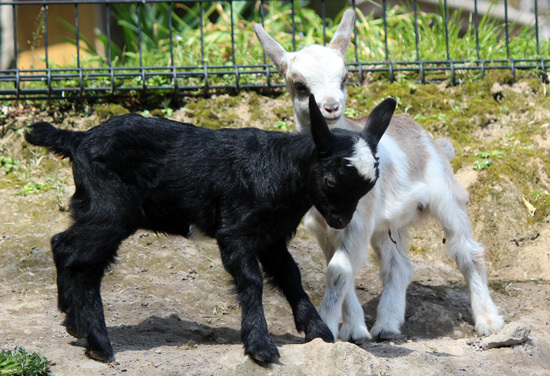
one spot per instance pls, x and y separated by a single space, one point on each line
239 259
339 281
355 239
340 291
353 327
396 272
279 265
349 246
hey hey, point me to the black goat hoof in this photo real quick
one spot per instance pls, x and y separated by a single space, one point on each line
264 355
319 330
263 358
101 355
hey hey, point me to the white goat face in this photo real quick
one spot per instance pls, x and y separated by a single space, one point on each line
320 71
316 70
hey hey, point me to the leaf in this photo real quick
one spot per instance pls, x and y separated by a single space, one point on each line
529 206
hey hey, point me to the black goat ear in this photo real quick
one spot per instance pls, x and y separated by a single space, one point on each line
319 128
378 120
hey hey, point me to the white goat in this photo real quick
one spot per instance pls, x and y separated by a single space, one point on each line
416 178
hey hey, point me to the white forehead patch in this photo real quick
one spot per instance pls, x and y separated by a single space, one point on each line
363 160
320 67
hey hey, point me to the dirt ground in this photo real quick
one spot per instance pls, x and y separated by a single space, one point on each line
169 309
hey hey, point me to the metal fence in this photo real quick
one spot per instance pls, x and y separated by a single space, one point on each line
189 48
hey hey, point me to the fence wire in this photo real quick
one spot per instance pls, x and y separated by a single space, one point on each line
190 48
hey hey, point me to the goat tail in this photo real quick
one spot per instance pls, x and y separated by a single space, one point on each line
60 141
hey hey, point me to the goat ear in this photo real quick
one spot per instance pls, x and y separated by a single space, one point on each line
319 128
340 40
272 49
379 120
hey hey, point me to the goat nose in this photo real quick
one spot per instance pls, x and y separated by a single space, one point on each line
331 107
339 221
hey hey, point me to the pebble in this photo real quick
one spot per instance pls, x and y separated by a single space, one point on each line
496 91
512 334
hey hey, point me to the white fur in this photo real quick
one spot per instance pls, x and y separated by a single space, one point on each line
403 195
324 80
363 160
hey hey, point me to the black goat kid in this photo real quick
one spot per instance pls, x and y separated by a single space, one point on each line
246 188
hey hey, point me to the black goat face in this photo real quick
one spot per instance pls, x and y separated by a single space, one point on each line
347 166
339 181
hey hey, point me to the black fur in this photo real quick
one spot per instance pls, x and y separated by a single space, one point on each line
246 188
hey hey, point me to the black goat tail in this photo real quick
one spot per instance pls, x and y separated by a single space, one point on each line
60 141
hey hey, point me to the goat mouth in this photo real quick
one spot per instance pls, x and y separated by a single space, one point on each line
337 223
332 119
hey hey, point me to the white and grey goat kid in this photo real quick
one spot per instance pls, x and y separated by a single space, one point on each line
415 179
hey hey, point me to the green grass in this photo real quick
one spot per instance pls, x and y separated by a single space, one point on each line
19 362
486 159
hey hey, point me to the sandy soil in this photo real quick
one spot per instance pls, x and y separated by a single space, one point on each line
169 309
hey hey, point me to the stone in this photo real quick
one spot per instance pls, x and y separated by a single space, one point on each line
512 334
313 358
496 91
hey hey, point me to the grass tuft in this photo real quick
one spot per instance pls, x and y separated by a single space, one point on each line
19 362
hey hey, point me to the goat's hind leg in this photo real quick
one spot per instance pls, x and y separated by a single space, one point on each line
283 272
81 255
469 256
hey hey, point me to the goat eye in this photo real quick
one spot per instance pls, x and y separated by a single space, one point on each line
344 82
330 181
300 86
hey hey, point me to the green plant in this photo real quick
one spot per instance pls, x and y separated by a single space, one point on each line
482 164
281 126
352 112
8 164
38 187
19 362
486 161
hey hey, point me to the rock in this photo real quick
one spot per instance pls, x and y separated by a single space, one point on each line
510 335
496 91
312 358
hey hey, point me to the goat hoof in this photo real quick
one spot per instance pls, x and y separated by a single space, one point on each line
320 331
358 334
101 355
359 341
267 354
265 358
386 336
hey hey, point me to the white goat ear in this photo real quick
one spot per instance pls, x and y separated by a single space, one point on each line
340 40
379 120
272 49
319 128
